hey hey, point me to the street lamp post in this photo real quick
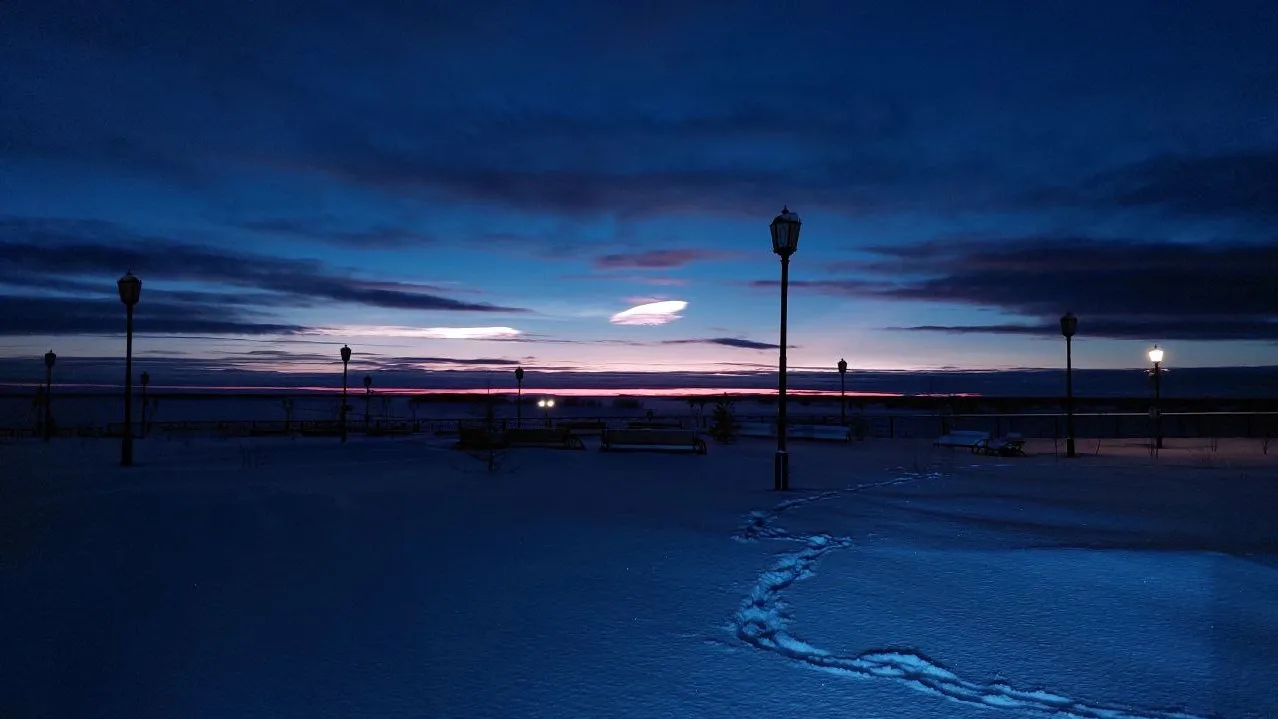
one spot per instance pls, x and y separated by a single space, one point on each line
1069 325
49 359
519 397
785 241
546 405
346 360
1156 356
843 400
146 379
368 396
130 288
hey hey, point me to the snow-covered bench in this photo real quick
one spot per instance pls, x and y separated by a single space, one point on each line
655 439
821 431
969 439
544 437
583 426
796 431
1010 445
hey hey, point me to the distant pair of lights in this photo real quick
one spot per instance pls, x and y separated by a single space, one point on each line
545 403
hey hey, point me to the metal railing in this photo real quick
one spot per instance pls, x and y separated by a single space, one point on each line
1104 425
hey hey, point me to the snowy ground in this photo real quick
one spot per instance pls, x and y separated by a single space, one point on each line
397 578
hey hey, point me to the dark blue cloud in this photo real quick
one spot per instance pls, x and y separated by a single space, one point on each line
687 107
331 231
1127 288
35 247
34 315
1228 185
735 342
1191 328
657 259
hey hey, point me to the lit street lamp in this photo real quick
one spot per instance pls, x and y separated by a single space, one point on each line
130 292
519 397
1069 325
843 401
49 359
785 241
1156 356
546 405
146 379
346 360
368 396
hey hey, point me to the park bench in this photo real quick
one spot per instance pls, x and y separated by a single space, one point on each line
820 431
480 438
654 439
797 431
584 426
968 439
1010 445
542 437
654 424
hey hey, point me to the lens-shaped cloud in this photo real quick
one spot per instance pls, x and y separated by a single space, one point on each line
434 333
652 313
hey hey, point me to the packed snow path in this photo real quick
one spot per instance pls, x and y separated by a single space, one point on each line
762 622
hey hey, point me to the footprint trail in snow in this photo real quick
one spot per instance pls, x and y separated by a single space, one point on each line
763 622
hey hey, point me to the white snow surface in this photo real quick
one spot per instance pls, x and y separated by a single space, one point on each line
399 578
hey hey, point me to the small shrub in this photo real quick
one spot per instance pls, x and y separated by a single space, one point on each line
724 426
492 456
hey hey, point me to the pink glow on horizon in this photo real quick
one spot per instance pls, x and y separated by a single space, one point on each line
547 392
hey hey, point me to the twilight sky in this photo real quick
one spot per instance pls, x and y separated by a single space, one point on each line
472 185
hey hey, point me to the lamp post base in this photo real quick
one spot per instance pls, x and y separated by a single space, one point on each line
781 471
1069 447
126 450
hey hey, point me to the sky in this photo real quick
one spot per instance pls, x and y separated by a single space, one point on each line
471 186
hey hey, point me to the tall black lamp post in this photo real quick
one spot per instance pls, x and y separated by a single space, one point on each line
49 359
346 360
519 397
1156 356
130 292
1069 325
146 379
785 241
843 400
368 396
